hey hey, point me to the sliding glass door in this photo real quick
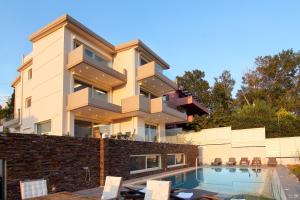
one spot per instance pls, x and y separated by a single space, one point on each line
150 133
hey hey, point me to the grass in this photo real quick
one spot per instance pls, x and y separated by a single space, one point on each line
295 169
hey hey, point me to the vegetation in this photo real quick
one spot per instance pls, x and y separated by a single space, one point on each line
8 111
295 169
269 96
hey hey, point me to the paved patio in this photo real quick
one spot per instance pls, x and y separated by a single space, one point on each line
289 183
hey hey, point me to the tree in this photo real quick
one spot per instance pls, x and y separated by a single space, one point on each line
194 82
8 111
276 80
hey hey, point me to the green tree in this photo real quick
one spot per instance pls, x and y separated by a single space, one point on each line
8 111
194 82
276 80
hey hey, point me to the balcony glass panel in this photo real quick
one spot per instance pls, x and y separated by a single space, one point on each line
101 94
83 129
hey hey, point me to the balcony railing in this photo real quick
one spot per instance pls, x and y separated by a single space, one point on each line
151 77
85 63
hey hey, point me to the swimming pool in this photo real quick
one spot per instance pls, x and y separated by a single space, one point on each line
222 180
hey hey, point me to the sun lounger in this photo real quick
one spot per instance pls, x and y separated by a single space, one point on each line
112 187
217 161
244 161
256 162
158 190
272 162
231 161
33 188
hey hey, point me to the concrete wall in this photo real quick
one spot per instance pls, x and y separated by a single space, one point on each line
225 143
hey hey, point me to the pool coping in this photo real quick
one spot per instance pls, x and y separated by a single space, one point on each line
136 181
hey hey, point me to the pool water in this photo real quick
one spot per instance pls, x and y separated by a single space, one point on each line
222 180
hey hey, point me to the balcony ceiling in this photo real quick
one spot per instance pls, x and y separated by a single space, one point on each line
94 74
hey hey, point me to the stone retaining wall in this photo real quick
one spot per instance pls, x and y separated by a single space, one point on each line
59 160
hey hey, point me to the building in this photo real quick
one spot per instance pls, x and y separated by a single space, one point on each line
76 83
181 99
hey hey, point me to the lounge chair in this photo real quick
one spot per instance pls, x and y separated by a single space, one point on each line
112 187
158 190
33 188
244 161
272 162
217 161
231 161
256 162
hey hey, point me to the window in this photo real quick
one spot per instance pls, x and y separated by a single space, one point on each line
150 133
147 94
78 85
28 102
142 163
98 93
143 61
175 159
29 74
43 127
93 55
76 44
83 129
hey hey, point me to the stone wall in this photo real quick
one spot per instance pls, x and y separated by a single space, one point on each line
59 160
119 152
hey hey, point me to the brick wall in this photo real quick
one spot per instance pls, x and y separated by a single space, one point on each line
119 152
58 159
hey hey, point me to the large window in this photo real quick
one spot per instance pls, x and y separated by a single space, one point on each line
78 85
150 133
175 159
142 163
83 129
143 61
43 127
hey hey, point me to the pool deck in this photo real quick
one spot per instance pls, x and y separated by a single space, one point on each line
289 183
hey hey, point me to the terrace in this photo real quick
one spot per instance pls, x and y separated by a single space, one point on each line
136 162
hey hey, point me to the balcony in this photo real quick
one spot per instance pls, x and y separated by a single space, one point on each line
86 64
190 104
84 104
136 104
163 113
150 77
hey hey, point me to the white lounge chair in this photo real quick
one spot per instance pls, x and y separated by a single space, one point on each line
111 188
33 188
158 190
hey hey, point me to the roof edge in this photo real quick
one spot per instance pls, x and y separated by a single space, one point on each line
139 43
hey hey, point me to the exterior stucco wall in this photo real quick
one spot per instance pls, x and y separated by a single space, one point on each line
45 87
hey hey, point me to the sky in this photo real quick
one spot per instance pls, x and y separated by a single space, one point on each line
211 35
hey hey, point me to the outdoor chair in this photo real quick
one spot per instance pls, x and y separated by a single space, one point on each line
158 190
112 187
244 161
231 161
256 162
33 188
272 162
217 161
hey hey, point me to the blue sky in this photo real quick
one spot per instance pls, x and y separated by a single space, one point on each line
208 35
